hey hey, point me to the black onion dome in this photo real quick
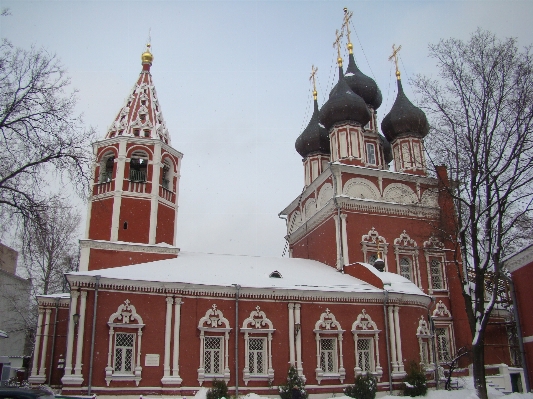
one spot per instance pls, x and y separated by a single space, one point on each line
343 105
404 118
387 149
314 138
363 85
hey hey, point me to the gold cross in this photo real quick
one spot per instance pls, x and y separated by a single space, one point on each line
313 78
337 44
395 57
346 25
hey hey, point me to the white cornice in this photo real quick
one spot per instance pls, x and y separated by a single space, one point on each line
129 246
269 293
519 259
357 171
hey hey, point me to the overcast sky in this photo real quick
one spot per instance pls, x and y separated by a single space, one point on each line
233 83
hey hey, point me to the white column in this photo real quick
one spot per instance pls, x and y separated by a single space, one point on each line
344 240
37 343
177 190
42 366
398 339
176 353
339 244
81 330
376 341
119 180
291 334
70 337
392 337
156 172
168 326
341 359
297 320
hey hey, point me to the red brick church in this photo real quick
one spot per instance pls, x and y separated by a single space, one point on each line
369 285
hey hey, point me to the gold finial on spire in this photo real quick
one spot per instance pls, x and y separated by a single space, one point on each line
313 78
394 57
346 25
147 57
337 44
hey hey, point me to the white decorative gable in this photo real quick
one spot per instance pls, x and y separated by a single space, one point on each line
257 320
328 322
213 319
125 314
364 324
441 310
405 241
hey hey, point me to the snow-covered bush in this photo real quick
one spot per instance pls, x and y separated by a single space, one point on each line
294 388
218 390
365 387
414 384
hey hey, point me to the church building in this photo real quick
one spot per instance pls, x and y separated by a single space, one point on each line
370 284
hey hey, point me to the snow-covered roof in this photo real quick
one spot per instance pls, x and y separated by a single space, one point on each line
59 295
251 272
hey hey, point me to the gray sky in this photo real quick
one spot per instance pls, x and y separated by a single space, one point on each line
232 80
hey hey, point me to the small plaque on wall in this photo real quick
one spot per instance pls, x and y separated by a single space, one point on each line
151 360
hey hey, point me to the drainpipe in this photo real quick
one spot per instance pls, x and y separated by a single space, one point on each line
91 361
339 228
433 343
518 331
237 287
53 344
385 305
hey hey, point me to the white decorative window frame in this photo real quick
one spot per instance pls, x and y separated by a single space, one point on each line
424 336
214 324
442 318
370 244
257 325
365 328
328 327
434 249
124 314
406 247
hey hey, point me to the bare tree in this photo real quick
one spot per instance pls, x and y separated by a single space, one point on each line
481 112
41 138
50 248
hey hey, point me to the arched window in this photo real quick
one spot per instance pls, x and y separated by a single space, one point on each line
257 331
214 340
106 168
406 251
371 244
328 335
124 350
366 336
138 166
435 258
166 175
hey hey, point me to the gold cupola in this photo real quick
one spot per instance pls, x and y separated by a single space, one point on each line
147 56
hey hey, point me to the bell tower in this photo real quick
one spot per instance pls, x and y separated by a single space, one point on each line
133 206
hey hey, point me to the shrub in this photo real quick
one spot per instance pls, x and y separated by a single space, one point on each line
218 390
414 384
294 388
365 387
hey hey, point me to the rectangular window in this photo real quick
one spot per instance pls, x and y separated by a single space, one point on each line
213 355
364 354
124 352
343 144
436 274
328 350
424 352
405 268
370 154
257 355
443 344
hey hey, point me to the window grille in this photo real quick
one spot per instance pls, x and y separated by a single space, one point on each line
436 274
405 268
257 355
327 355
443 344
213 355
424 353
124 352
364 348
372 259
